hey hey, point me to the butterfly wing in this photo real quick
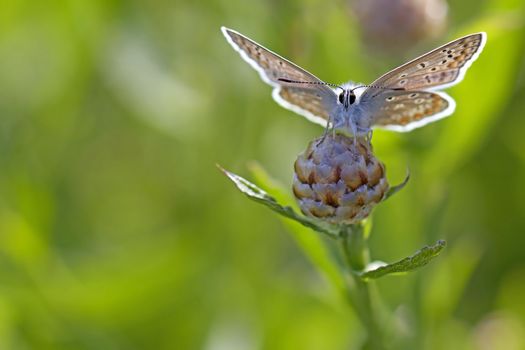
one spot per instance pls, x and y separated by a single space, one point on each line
438 69
313 101
406 110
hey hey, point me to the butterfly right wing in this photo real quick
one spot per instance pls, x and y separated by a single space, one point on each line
313 101
437 69
402 111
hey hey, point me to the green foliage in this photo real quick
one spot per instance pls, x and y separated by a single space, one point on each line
394 189
419 259
353 240
255 193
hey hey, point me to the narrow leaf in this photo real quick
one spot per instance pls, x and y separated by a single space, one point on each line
419 259
255 193
393 190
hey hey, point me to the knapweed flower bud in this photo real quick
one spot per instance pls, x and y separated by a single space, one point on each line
397 25
339 180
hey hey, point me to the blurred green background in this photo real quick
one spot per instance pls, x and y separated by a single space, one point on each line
118 232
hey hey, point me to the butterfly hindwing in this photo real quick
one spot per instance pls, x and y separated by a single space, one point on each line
303 101
406 110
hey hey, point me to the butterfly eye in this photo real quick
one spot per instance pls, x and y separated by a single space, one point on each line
352 97
341 97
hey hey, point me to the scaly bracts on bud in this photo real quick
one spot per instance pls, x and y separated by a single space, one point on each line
339 179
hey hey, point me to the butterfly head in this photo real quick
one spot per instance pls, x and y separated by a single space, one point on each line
347 98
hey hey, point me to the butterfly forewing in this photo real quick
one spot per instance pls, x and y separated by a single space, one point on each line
406 110
313 101
438 69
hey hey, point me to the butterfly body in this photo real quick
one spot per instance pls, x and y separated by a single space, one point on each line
400 100
348 115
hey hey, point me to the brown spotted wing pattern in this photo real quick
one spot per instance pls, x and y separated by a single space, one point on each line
406 110
314 101
398 100
438 69
303 97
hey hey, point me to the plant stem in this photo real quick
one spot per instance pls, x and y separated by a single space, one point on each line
355 248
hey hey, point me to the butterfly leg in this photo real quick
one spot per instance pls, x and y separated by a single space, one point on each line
350 125
326 129
369 136
329 125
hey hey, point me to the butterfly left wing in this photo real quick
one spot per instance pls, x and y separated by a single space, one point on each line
313 101
406 110
303 101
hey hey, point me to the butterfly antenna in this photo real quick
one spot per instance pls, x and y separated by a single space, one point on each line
309 82
378 87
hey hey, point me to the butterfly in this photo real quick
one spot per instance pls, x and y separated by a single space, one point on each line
401 100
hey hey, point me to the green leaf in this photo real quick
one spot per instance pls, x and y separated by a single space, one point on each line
419 259
394 189
260 196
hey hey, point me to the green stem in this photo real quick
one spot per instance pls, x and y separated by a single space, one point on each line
355 248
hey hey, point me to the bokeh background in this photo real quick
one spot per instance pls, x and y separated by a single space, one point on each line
118 232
